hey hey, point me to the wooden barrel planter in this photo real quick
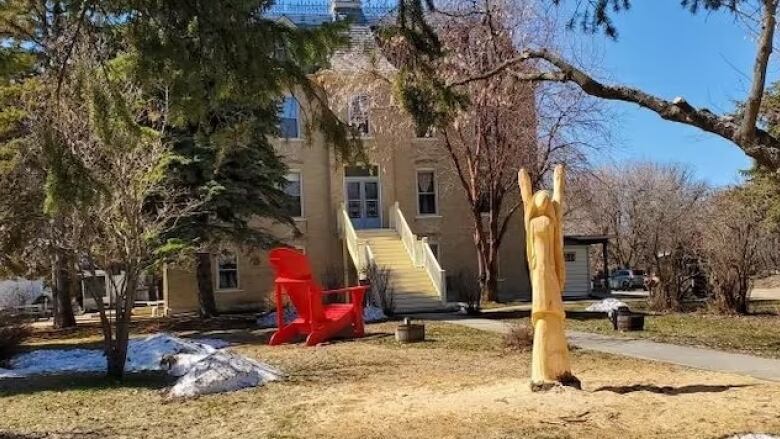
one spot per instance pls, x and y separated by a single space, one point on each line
408 332
630 322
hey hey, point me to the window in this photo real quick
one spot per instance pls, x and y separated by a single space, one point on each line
227 271
280 50
358 114
570 257
426 193
289 110
483 203
293 191
425 133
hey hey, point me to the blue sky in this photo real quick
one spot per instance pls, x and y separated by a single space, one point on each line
665 50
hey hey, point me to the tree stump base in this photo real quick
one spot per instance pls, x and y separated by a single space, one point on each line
630 322
568 380
408 332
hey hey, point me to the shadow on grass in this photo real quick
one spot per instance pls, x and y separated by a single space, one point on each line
670 390
146 326
83 382
261 337
88 434
519 314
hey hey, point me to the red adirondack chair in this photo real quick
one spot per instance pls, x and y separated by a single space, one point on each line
318 321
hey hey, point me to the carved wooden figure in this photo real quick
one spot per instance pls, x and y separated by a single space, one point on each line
544 250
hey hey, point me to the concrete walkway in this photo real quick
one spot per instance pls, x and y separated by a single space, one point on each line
700 358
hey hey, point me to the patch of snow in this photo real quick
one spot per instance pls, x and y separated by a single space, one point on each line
268 320
8 373
142 355
202 366
220 372
371 314
753 436
608 306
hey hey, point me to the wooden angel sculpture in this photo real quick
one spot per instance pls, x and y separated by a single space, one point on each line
544 250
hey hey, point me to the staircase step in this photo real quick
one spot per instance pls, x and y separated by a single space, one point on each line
412 287
410 277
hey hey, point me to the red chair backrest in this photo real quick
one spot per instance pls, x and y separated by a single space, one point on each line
291 264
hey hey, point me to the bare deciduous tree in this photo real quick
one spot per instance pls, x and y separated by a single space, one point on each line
492 123
733 237
652 213
113 197
744 129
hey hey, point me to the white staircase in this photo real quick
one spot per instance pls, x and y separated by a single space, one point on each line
413 289
417 280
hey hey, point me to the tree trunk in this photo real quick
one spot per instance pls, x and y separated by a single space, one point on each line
488 274
490 281
208 307
117 355
151 285
61 290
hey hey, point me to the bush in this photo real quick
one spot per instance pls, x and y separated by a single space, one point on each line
733 238
677 281
380 293
466 288
519 338
13 332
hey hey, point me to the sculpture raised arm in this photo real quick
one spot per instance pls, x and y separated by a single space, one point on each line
558 187
526 190
557 198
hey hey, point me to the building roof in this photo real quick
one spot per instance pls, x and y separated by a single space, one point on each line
311 13
585 239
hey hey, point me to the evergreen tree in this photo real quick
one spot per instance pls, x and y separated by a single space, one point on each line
224 68
210 76
30 243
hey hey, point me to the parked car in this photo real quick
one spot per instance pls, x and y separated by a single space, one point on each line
627 279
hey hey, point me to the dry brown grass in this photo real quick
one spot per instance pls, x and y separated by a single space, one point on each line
520 337
461 383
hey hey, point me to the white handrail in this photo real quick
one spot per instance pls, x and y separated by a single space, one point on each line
435 272
409 239
419 251
348 234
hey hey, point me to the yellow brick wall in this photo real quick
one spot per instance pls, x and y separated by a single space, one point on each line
398 154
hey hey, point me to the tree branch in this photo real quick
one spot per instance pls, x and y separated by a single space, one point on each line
763 147
746 132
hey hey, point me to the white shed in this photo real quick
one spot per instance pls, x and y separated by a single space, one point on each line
576 255
577 270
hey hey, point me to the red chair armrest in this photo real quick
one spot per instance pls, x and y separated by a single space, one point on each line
347 290
356 293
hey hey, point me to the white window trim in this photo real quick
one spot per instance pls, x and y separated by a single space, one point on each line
370 133
216 275
432 137
300 182
417 172
297 120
